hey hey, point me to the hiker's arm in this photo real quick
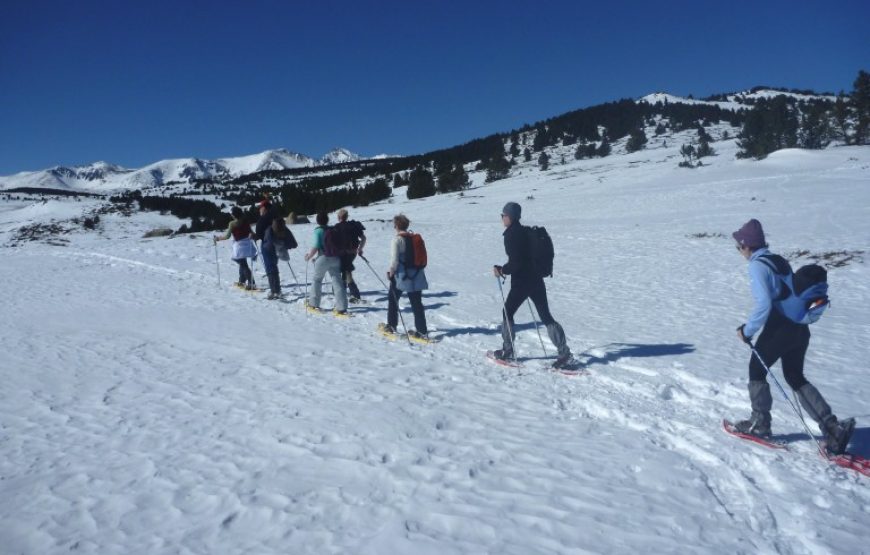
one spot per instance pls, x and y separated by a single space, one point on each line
394 256
513 248
759 278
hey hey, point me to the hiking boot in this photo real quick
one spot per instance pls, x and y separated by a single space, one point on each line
503 354
837 434
386 328
563 361
250 287
273 296
417 335
758 424
354 300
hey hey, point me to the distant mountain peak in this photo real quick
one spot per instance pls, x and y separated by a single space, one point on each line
339 156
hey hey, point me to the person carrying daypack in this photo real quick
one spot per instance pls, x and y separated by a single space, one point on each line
277 241
326 250
243 246
267 215
785 337
407 275
352 239
527 282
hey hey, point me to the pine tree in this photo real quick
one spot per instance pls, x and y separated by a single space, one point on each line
841 117
861 106
815 131
527 154
604 147
688 152
497 168
636 140
771 125
453 180
542 139
704 149
420 183
544 161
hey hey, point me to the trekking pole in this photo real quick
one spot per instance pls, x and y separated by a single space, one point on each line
217 264
785 395
507 320
390 294
306 287
294 273
535 320
254 269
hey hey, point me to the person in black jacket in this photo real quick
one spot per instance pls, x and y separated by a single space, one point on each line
267 215
353 241
526 283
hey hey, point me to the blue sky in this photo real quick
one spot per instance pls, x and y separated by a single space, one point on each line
135 82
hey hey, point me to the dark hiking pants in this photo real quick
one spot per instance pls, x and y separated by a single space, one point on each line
416 298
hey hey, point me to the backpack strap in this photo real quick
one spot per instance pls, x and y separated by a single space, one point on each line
781 269
408 238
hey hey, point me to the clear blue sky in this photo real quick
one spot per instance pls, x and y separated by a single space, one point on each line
135 82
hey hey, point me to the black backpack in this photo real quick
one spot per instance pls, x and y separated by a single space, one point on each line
541 252
348 236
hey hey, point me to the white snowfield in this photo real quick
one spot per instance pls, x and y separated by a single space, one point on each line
144 409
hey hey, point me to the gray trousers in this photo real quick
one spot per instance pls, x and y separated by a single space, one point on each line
332 265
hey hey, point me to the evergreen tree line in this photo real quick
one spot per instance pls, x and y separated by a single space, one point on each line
301 198
448 178
204 215
785 122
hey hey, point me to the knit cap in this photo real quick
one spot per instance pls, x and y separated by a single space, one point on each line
513 211
750 235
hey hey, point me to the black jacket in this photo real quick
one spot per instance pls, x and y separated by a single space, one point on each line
516 246
264 223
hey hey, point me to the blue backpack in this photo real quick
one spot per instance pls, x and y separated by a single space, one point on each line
804 294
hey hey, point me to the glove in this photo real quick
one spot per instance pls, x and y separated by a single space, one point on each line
497 271
747 340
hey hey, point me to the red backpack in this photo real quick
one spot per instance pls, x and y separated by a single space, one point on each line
415 251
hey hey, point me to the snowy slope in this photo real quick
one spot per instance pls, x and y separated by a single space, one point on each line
145 409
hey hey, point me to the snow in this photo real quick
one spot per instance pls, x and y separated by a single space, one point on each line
145 409
102 177
736 101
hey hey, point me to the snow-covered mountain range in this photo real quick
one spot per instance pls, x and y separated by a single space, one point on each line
105 177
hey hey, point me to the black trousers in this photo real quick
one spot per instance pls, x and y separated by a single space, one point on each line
244 271
416 298
347 269
783 340
535 290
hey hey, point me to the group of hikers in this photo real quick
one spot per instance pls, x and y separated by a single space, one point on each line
785 302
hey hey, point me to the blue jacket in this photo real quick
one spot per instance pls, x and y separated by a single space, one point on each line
765 288
270 257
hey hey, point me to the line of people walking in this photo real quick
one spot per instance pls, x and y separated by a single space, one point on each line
774 287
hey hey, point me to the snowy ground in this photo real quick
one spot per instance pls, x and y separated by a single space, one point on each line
144 409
